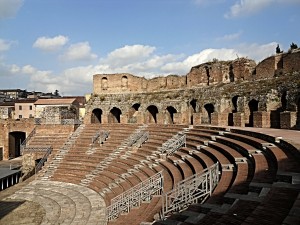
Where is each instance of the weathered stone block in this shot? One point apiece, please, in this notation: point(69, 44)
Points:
point(239, 119)
point(219, 119)
point(261, 119)
point(288, 120)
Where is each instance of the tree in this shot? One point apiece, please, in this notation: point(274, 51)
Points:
point(56, 93)
point(293, 46)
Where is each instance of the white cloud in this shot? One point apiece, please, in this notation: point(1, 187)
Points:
point(246, 7)
point(50, 44)
point(128, 54)
point(5, 45)
point(230, 37)
point(9, 8)
point(256, 51)
point(79, 52)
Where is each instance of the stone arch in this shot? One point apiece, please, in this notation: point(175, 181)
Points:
point(253, 107)
point(234, 102)
point(124, 82)
point(15, 140)
point(151, 115)
point(171, 111)
point(96, 116)
point(114, 115)
point(132, 113)
point(104, 83)
point(210, 108)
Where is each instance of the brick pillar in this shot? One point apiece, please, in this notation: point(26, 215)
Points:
point(239, 119)
point(288, 120)
point(104, 118)
point(196, 118)
point(177, 118)
point(140, 118)
point(160, 118)
point(124, 118)
point(219, 119)
point(261, 119)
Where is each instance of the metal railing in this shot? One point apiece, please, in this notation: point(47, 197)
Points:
point(43, 160)
point(36, 149)
point(144, 191)
point(101, 135)
point(39, 121)
point(173, 144)
point(195, 189)
point(25, 142)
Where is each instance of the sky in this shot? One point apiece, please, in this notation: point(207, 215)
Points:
point(48, 45)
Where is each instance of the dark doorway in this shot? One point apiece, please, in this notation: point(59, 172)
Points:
point(234, 110)
point(209, 109)
point(115, 115)
point(171, 110)
point(96, 116)
point(15, 140)
point(253, 107)
point(193, 103)
point(152, 113)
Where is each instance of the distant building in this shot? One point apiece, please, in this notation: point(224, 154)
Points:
point(7, 110)
point(24, 108)
point(14, 93)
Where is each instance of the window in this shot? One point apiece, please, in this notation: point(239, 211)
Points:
point(20, 107)
point(30, 116)
point(30, 107)
point(20, 116)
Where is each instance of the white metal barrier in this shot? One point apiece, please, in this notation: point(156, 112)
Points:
point(194, 189)
point(144, 191)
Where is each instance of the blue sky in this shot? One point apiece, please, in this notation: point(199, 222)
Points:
point(59, 44)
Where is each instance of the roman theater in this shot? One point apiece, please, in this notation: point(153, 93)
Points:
point(219, 145)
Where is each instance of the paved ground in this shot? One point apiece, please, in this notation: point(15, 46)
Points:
point(54, 202)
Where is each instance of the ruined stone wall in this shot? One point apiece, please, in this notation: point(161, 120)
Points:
point(266, 68)
point(291, 62)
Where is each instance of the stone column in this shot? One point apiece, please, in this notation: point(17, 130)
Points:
point(219, 119)
point(288, 120)
point(261, 119)
point(197, 118)
point(239, 119)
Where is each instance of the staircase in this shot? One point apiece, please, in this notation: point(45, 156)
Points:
point(49, 170)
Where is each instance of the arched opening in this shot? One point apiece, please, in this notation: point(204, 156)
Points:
point(96, 116)
point(114, 115)
point(104, 83)
point(209, 109)
point(15, 140)
point(193, 103)
point(124, 82)
point(132, 114)
point(234, 110)
point(253, 107)
point(152, 113)
point(171, 110)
